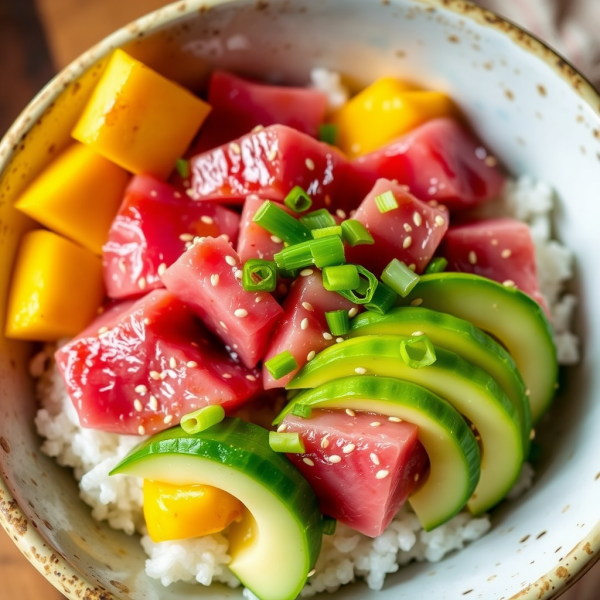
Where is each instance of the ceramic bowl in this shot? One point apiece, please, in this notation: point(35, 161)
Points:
point(537, 114)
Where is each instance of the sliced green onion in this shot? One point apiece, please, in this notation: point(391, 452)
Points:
point(329, 525)
point(202, 419)
point(399, 277)
point(437, 265)
point(277, 222)
point(281, 365)
point(183, 167)
point(287, 273)
point(290, 443)
point(317, 219)
point(298, 200)
point(327, 251)
point(417, 352)
point(355, 233)
point(302, 410)
point(293, 257)
point(386, 201)
point(326, 231)
point(342, 277)
point(338, 322)
point(383, 299)
point(363, 294)
point(328, 133)
point(259, 275)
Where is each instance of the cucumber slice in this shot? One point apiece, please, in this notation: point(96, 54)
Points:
point(469, 389)
point(279, 539)
point(511, 316)
point(454, 456)
point(459, 336)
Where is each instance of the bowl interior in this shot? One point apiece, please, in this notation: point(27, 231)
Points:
point(538, 116)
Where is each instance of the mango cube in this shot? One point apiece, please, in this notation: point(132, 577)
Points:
point(77, 195)
point(384, 111)
point(57, 288)
point(138, 119)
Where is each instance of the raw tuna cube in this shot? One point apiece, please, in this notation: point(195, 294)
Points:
point(438, 161)
point(411, 233)
point(208, 279)
point(500, 249)
point(144, 364)
point(152, 228)
point(361, 466)
point(269, 163)
point(303, 329)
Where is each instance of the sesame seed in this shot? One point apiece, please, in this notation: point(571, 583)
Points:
point(304, 324)
point(407, 227)
point(214, 280)
point(308, 461)
point(162, 268)
point(374, 458)
point(306, 272)
point(240, 312)
point(122, 266)
point(222, 324)
point(138, 405)
point(191, 364)
point(230, 261)
point(508, 283)
point(382, 474)
point(282, 427)
point(172, 362)
point(417, 333)
point(532, 434)
point(172, 374)
point(102, 330)
point(375, 424)
point(186, 237)
point(311, 572)
point(206, 219)
point(412, 267)
point(153, 402)
point(250, 378)
point(395, 419)
point(348, 448)
point(141, 389)
point(308, 306)
point(350, 412)
point(490, 161)
point(167, 419)
point(310, 355)
point(238, 274)
point(339, 340)
point(494, 242)
point(257, 128)
point(141, 430)
point(417, 219)
point(310, 165)
point(325, 441)
point(472, 258)
point(439, 220)
point(353, 312)
point(235, 148)
point(417, 302)
point(528, 391)
point(272, 154)
point(334, 459)
point(416, 477)
point(258, 299)
point(407, 242)
point(505, 253)
point(155, 375)
point(190, 192)
point(327, 200)
point(433, 203)
point(327, 335)
point(142, 283)
point(276, 240)
point(360, 370)
point(340, 213)
point(225, 237)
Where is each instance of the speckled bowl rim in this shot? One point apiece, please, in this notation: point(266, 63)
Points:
point(29, 541)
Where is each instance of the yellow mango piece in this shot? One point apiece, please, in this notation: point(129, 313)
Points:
point(383, 112)
point(177, 512)
point(138, 119)
point(77, 195)
point(56, 290)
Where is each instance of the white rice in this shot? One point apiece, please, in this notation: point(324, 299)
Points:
point(345, 556)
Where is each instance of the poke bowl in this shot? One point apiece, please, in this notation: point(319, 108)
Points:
point(534, 118)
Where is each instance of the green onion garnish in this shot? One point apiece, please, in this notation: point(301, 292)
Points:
point(386, 201)
point(437, 265)
point(293, 257)
point(363, 294)
point(202, 419)
point(325, 231)
point(327, 251)
point(259, 275)
point(183, 167)
point(342, 277)
point(417, 352)
point(355, 233)
point(329, 525)
point(298, 200)
point(290, 443)
point(277, 222)
point(383, 299)
point(399, 277)
point(302, 410)
point(338, 322)
point(281, 365)
point(328, 133)
point(317, 219)
point(287, 273)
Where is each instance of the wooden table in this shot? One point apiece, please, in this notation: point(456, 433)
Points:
point(37, 38)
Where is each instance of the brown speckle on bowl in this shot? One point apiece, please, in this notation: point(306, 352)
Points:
point(467, 592)
point(562, 572)
point(524, 538)
point(587, 548)
point(509, 94)
point(120, 586)
point(453, 39)
point(541, 534)
point(10, 511)
point(542, 90)
point(4, 445)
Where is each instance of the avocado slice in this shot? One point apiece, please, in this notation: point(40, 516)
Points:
point(279, 538)
point(511, 316)
point(454, 456)
point(459, 336)
point(469, 389)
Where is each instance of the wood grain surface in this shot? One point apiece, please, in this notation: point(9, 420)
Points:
point(33, 45)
